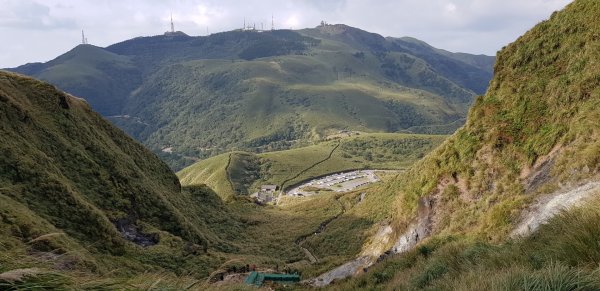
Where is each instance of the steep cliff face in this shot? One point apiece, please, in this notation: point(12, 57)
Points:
point(533, 132)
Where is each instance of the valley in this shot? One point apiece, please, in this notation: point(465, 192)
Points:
point(243, 173)
point(321, 158)
point(163, 225)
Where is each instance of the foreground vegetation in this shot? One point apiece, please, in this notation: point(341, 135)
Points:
point(562, 255)
point(535, 131)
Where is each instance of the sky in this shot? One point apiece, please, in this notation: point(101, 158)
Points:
point(40, 30)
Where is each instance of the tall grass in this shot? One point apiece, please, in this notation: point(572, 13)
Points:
point(562, 255)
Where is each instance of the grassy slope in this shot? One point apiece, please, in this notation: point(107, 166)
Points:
point(561, 256)
point(544, 96)
point(66, 176)
point(248, 171)
point(86, 68)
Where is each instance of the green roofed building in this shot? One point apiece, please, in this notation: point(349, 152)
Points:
point(257, 279)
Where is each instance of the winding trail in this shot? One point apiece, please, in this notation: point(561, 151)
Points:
point(299, 241)
point(227, 173)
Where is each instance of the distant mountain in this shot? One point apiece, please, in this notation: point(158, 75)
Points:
point(472, 72)
point(104, 78)
point(193, 97)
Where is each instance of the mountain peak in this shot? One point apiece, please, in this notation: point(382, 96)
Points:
point(176, 33)
point(335, 28)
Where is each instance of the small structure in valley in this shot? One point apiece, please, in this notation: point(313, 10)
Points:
point(257, 279)
point(266, 193)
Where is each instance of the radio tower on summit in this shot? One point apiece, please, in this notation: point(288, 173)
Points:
point(172, 25)
point(83, 38)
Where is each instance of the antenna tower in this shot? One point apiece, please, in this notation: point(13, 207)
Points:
point(172, 26)
point(83, 38)
point(272, 22)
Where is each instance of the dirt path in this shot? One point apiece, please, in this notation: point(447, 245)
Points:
point(227, 173)
point(308, 254)
point(549, 206)
point(300, 241)
point(344, 271)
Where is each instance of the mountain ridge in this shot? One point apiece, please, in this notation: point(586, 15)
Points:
point(381, 86)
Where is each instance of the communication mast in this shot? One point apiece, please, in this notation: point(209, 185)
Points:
point(83, 38)
point(272, 22)
point(172, 25)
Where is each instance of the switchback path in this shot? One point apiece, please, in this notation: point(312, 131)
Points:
point(300, 241)
point(227, 173)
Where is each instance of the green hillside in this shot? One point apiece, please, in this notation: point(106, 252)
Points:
point(241, 173)
point(104, 78)
point(83, 206)
point(244, 90)
point(539, 110)
point(78, 195)
point(533, 136)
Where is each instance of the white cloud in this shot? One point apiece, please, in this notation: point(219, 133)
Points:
point(451, 7)
point(47, 28)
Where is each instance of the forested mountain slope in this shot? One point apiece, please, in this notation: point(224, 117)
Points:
point(196, 97)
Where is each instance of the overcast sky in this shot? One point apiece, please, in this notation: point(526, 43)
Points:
point(40, 30)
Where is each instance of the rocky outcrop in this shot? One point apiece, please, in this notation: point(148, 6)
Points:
point(419, 229)
point(550, 205)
